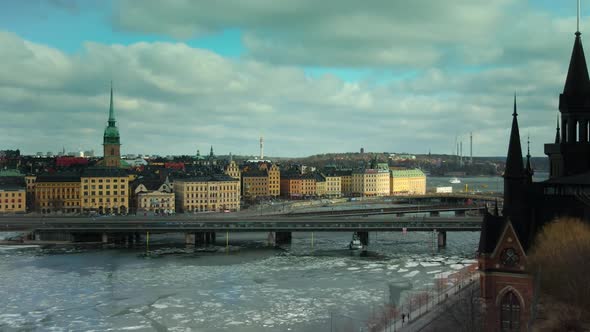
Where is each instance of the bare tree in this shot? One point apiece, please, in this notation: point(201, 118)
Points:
point(560, 259)
point(463, 312)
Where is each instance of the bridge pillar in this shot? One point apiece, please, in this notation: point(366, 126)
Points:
point(200, 238)
point(283, 237)
point(209, 237)
point(442, 239)
point(434, 213)
point(460, 213)
point(37, 236)
point(363, 237)
point(189, 238)
point(213, 237)
point(105, 238)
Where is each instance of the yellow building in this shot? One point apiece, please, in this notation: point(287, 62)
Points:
point(274, 180)
point(13, 194)
point(233, 170)
point(207, 193)
point(345, 181)
point(370, 182)
point(254, 184)
point(333, 185)
point(105, 190)
point(308, 185)
point(57, 193)
point(408, 181)
point(320, 185)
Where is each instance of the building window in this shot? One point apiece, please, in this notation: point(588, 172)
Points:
point(510, 313)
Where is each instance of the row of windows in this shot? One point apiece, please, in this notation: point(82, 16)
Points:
point(107, 200)
point(107, 193)
point(41, 197)
point(11, 194)
point(108, 186)
point(12, 200)
point(12, 206)
point(60, 203)
point(105, 180)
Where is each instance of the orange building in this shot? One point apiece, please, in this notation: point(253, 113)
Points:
point(291, 186)
point(264, 181)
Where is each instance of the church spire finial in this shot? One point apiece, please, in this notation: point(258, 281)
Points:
point(515, 113)
point(111, 109)
point(557, 134)
point(514, 164)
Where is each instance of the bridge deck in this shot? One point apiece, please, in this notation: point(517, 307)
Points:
point(112, 225)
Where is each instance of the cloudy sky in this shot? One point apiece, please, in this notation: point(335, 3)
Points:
point(310, 76)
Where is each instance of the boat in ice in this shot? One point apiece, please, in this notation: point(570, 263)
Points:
point(355, 243)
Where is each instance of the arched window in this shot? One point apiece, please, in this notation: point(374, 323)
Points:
point(112, 151)
point(510, 312)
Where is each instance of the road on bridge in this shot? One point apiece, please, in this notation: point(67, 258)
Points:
point(251, 224)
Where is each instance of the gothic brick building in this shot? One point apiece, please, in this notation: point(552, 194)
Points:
point(506, 282)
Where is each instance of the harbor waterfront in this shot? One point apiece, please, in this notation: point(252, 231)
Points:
point(313, 284)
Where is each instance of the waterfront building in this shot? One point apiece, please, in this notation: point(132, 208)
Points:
point(254, 183)
point(261, 181)
point(333, 185)
point(105, 190)
point(57, 193)
point(308, 185)
point(407, 182)
point(320, 185)
point(274, 179)
point(506, 284)
point(370, 182)
point(13, 195)
point(151, 195)
point(291, 185)
point(218, 193)
point(345, 181)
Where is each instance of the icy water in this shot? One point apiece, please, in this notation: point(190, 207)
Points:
point(476, 183)
point(250, 287)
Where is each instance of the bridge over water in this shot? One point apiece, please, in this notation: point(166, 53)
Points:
point(203, 230)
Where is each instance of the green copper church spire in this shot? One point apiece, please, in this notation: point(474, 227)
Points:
point(111, 110)
point(111, 133)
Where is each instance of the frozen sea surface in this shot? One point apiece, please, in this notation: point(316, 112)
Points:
point(251, 287)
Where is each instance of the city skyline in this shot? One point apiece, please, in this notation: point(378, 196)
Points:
point(222, 77)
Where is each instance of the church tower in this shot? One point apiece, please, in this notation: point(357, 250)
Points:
point(570, 153)
point(111, 140)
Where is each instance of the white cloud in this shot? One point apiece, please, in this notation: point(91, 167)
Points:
point(171, 98)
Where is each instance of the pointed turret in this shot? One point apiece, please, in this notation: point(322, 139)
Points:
point(211, 152)
point(577, 81)
point(514, 166)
